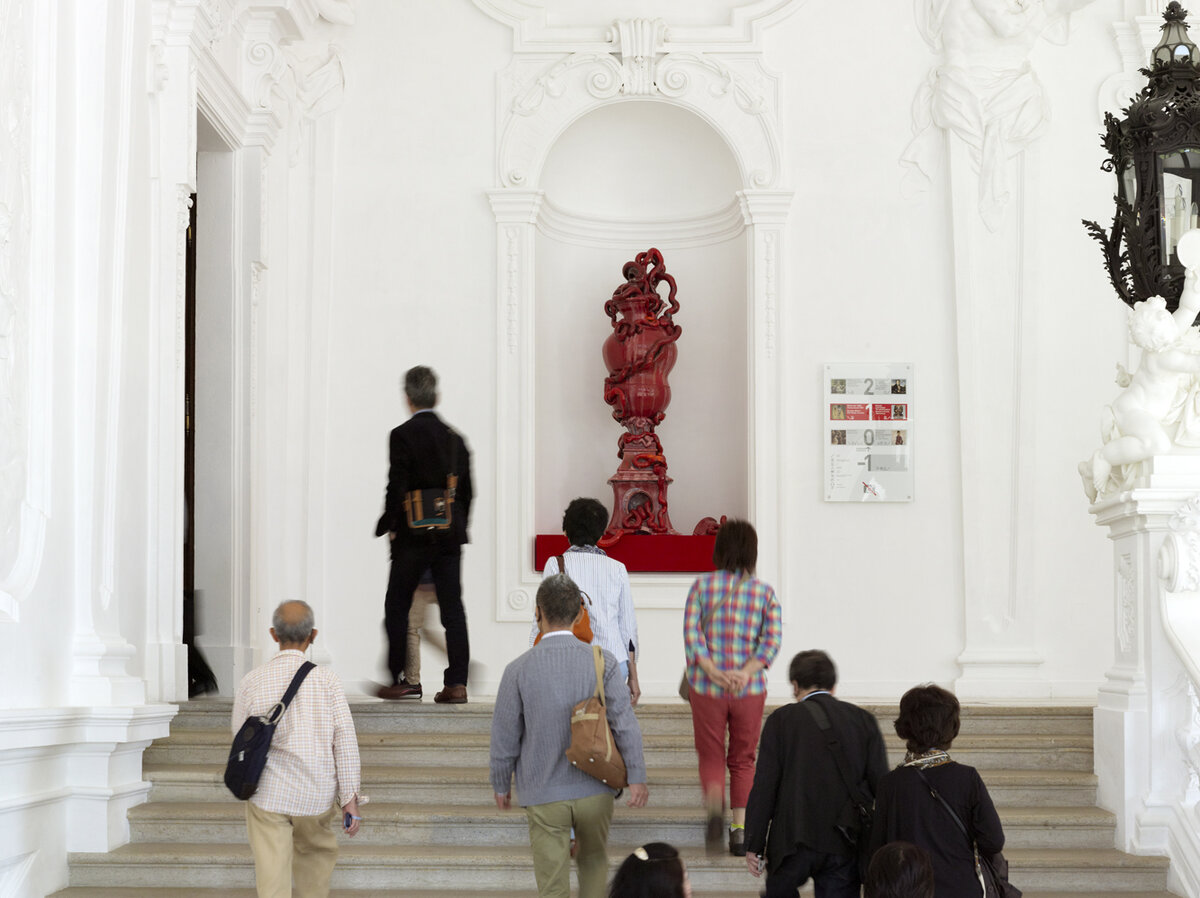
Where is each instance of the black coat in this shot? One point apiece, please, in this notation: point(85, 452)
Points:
point(419, 454)
point(905, 809)
point(798, 793)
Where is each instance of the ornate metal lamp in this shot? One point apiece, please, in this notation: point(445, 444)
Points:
point(1155, 153)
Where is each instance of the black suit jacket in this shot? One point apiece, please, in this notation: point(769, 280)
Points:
point(419, 453)
point(798, 792)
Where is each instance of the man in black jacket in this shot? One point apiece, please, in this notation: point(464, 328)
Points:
point(799, 798)
point(423, 452)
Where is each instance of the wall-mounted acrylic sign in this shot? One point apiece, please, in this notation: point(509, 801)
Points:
point(868, 412)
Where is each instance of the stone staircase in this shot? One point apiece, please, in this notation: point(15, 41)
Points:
point(432, 829)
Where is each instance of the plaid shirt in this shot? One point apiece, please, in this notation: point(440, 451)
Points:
point(746, 626)
point(313, 759)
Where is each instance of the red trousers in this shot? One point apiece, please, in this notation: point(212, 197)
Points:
point(711, 716)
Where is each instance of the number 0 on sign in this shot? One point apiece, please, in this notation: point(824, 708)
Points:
point(868, 412)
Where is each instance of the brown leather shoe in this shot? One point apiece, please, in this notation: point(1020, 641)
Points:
point(452, 695)
point(403, 689)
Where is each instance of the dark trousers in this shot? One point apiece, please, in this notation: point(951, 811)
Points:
point(443, 558)
point(833, 876)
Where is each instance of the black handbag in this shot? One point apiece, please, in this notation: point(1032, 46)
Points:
point(248, 754)
point(991, 870)
point(857, 815)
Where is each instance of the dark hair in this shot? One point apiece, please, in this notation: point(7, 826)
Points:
point(559, 599)
point(813, 668)
point(736, 548)
point(420, 386)
point(585, 521)
point(653, 871)
point(899, 870)
point(928, 718)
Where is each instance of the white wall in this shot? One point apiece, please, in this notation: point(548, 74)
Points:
point(870, 279)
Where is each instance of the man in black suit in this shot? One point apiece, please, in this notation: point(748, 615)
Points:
point(799, 797)
point(423, 452)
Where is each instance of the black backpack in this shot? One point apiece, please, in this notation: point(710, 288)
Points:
point(248, 755)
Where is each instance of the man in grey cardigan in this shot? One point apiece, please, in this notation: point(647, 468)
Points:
point(531, 729)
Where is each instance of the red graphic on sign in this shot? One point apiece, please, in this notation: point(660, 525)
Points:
point(889, 411)
point(850, 411)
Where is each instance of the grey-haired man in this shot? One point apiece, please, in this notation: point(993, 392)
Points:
point(530, 734)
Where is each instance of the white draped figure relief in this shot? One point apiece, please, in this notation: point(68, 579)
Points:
point(985, 90)
point(1159, 407)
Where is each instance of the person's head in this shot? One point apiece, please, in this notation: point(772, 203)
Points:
point(558, 601)
point(928, 718)
point(736, 548)
point(584, 522)
point(653, 871)
point(292, 625)
point(811, 670)
point(899, 870)
point(420, 386)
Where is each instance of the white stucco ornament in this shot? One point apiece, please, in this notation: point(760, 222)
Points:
point(985, 90)
point(1159, 408)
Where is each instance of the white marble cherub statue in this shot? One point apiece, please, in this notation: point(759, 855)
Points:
point(1144, 418)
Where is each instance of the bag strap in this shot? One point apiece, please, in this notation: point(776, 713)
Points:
point(562, 569)
point(452, 475)
point(598, 657)
point(293, 688)
point(949, 810)
point(835, 747)
point(707, 619)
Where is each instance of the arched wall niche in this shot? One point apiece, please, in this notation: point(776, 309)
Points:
point(615, 183)
point(538, 99)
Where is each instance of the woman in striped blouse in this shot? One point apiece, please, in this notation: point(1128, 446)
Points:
point(731, 634)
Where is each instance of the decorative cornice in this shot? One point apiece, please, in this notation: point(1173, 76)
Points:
point(676, 233)
point(740, 32)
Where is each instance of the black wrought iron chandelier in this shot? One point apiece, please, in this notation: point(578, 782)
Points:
point(1155, 153)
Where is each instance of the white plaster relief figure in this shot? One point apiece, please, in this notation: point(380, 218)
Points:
point(1156, 410)
point(985, 90)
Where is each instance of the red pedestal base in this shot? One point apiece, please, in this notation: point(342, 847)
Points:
point(641, 552)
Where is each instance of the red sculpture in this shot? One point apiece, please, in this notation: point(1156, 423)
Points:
point(640, 353)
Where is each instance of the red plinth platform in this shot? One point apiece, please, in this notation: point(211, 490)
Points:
point(641, 551)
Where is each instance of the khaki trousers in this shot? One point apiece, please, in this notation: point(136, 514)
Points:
point(424, 596)
point(550, 838)
point(292, 855)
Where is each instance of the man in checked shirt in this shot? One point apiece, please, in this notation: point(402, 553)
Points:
point(312, 768)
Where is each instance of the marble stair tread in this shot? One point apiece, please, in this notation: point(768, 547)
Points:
point(189, 892)
point(675, 775)
point(979, 742)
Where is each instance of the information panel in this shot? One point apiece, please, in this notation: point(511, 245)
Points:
point(868, 433)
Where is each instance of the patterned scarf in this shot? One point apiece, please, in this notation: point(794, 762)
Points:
point(923, 760)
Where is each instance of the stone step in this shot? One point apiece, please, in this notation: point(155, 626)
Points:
point(188, 892)
point(669, 785)
point(211, 746)
point(468, 869)
point(392, 823)
point(674, 718)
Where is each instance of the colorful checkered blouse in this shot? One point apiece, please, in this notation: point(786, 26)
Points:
point(746, 626)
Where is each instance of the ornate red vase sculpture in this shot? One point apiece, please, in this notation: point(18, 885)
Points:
point(640, 353)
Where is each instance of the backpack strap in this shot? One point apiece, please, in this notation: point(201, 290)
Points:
point(293, 687)
point(835, 747)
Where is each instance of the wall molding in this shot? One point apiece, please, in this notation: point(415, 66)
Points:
point(741, 30)
point(707, 229)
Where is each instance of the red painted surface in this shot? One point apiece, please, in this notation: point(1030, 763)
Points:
point(640, 353)
point(642, 552)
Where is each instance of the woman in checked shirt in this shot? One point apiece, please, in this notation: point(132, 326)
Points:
point(731, 633)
